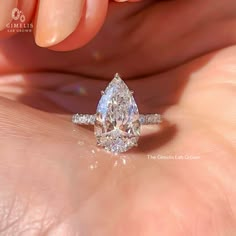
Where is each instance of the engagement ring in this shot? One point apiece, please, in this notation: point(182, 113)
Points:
point(117, 121)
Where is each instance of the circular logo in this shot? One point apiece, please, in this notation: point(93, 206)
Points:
point(17, 14)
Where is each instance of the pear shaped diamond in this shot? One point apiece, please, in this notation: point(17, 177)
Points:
point(117, 125)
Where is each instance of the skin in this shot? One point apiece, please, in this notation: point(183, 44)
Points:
point(179, 57)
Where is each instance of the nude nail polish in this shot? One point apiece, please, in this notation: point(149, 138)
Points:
point(56, 20)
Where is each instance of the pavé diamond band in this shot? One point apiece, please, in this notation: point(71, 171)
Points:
point(86, 119)
point(117, 121)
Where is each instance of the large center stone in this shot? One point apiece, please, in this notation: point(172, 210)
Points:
point(117, 126)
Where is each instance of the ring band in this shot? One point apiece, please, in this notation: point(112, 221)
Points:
point(117, 120)
point(144, 119)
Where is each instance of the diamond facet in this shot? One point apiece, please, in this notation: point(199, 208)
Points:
point(117, 125)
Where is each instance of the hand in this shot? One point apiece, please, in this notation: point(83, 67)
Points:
point(180, 59)
point(59, 25)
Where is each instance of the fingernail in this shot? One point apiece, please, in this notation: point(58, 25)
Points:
point(6, 7)
point(56, 20)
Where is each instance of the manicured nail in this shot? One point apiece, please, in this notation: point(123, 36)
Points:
point(56, 20)
point(6, 7)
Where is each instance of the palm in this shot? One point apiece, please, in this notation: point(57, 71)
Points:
point(56, 181)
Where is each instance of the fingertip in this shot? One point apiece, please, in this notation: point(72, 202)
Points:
point(56, 20)
point(91, 21)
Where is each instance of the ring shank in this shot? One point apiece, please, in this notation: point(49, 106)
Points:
point(145, 119)
point(150, 119)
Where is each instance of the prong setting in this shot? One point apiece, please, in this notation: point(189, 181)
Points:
point(117, 121)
